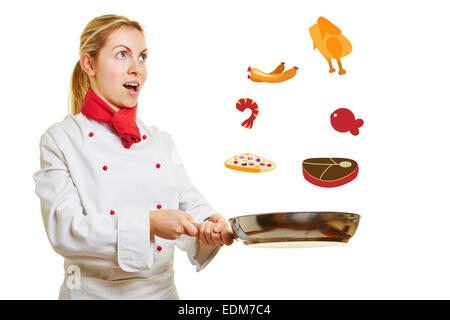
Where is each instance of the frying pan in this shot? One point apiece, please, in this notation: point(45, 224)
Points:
point(294, 229)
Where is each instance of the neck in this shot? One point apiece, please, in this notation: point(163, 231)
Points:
point(93, 88)
point(112, 106)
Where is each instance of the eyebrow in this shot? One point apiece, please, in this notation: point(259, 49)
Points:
point(121, 45)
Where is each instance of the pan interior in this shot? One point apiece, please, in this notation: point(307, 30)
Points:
point(295, 229)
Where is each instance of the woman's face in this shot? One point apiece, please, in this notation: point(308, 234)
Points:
point(119, 69)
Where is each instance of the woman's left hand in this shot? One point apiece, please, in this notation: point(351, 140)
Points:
point(214, 231)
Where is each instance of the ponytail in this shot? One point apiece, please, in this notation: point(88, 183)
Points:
point(79, 85)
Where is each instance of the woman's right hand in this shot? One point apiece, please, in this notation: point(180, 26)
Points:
point(171, 223)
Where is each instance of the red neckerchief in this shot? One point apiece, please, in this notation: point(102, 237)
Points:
point(123, 121)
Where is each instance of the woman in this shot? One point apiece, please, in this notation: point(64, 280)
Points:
point(115, 197)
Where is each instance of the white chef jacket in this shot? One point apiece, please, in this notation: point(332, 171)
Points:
point(95, 201)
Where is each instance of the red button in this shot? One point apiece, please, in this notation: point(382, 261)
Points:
point(158, 248)
point(112, 212)
point(144, 137)
point(158, 165)
point(159, 206)
point(105, 168)
point(91, 134)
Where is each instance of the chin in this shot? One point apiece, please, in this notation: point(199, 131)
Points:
point(128, 103)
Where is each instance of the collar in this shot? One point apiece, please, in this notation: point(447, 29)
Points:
point(123, 121)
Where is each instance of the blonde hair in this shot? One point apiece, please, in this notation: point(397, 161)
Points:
point(92, 39)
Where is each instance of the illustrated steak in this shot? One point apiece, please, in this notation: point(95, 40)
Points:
point(329, 172)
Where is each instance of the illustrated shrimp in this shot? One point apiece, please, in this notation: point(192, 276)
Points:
point(246, 103)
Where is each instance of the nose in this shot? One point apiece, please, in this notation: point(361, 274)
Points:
point(134, 67)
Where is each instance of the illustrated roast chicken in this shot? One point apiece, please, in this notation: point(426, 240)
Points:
point(330, 42)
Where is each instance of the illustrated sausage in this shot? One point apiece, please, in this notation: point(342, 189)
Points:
point(260, 76)
point(277, 70)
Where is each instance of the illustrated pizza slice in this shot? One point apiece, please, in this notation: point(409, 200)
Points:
point(249, 163)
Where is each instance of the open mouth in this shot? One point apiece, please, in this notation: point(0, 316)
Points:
point(133, 86)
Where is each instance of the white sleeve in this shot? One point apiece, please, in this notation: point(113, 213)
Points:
point(76, 234)
point(192, 202)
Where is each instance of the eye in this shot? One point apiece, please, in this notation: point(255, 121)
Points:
point(121, 55)
point(144, 57)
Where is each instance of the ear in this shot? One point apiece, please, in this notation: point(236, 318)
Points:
point(87, 63)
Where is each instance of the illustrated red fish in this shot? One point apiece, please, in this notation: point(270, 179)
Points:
point(343, 120)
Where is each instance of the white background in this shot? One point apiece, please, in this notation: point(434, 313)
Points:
point(396, 81)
